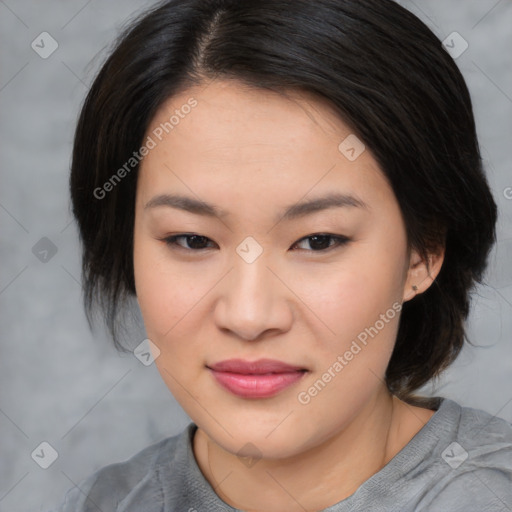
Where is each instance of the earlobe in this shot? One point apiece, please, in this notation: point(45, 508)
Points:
point(421, 274)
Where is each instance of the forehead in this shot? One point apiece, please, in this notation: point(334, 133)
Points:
point(229, 110)
point(226, 136)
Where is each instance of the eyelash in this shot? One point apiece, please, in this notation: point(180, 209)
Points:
point(340, 242)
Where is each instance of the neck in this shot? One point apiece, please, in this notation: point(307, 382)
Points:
point(320, 477)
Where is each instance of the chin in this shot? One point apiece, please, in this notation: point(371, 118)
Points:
point(257, 437)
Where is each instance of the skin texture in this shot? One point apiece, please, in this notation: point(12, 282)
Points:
point(252, 153)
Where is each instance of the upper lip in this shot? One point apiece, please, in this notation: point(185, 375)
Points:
point(260, 366)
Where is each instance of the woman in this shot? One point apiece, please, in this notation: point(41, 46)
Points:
point(293, 192)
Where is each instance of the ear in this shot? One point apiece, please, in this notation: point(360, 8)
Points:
point(421, 273)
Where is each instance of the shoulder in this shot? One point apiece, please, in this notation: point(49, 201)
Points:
point(483, 434)
point(487, 439)
point(484, 489)
point(476, 456)
point(113, 484)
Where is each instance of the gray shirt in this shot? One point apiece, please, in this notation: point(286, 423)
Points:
point(461, 460)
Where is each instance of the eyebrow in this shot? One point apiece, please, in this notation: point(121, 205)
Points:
point(294, 211)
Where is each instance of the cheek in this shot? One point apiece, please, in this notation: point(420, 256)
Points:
point(165, 292)
point(350, 296)
point(360, 305)
point(170, 303)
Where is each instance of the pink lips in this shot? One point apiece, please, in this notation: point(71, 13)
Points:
point(255, 379)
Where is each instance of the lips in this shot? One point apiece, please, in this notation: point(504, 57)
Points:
point(255, 379)
point(258, 367)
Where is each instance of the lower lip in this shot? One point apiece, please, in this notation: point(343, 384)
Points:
point(256, 386)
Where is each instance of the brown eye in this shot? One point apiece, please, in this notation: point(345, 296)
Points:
point(321, 241)
point(193, 242)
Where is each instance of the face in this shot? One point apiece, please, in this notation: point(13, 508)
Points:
point(318, 291)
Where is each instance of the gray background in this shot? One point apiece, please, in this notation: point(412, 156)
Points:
point(62, 384)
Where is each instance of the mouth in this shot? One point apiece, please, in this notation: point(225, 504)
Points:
point(255, 379)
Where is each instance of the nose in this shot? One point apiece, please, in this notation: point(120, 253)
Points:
point(253, 302)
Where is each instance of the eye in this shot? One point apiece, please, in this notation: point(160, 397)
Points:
point(319, 242)
point(197, 242)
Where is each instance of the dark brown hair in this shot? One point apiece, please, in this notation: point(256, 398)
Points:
point(386, 75)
